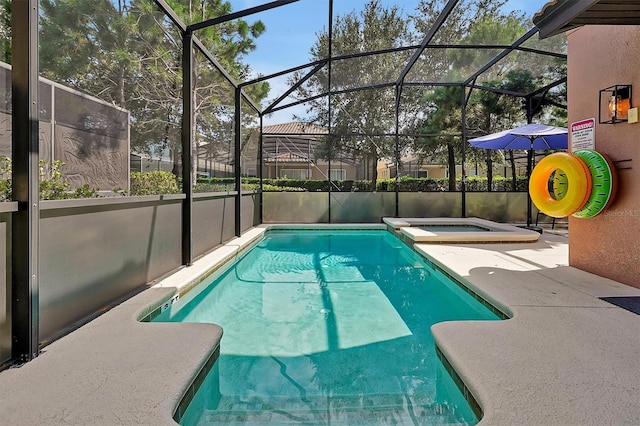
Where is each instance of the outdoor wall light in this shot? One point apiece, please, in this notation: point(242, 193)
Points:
point(614, 104)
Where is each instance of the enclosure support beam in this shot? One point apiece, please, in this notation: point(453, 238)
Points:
point(25, 175)
point(260, 163)
point(463, 131)
point(446, 11)
point(187, 140)
point(240, 14)
point(330, 141)
point(397, 148)
point(171, 14)
point(294, 87)
point(237, 158)
point(501, 55)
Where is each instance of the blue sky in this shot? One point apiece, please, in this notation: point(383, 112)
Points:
point(292, 29)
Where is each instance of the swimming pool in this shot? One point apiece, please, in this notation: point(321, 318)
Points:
point(328, 327)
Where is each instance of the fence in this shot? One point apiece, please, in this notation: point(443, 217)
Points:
point(96, 252)
point(370, 207)
point(90, 136)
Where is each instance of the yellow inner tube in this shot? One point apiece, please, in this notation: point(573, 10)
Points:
point(578, 186)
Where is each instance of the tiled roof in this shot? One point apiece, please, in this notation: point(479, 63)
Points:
point(293, 128)
point(287, 157)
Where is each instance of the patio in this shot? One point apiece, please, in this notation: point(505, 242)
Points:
point(565, 357)
point(78, 275)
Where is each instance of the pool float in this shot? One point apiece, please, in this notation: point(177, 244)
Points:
point(604, 183)
point(560, 183)
point(578, 187)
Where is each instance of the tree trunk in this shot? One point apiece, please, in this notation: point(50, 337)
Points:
point(176, 169)
point(374, 172)
point(121, 84)
point(489, 171)
point(514, 181)
point(452, 166)
point(487, 126)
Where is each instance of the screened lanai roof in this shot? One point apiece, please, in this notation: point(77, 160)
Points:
point(487, 55)
point(301, 70)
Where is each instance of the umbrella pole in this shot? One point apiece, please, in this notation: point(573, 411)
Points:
point(529, 160)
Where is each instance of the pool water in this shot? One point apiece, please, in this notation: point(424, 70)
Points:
point(328, 327)
point(454, 228)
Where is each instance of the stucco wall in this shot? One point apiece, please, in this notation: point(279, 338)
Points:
point(599, 57)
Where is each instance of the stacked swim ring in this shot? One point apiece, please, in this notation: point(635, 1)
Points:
point(583, 183)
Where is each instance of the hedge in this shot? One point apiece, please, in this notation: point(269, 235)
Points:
point(407, 184)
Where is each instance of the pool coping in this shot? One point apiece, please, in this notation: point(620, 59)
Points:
point(500, 232)
point(565, 356)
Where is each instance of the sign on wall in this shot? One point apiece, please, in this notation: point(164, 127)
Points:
point(583, 134)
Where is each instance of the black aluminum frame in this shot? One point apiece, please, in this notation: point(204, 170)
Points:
point(25, 132)
point(25, 175)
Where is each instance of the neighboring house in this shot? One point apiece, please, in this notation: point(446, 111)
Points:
point(289, 152)
point(148, 163)
point(414, 167)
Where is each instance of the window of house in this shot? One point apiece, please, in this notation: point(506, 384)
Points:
point(338, 174)
point(298, 174)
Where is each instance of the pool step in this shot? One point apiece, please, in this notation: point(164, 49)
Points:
point(368, 409)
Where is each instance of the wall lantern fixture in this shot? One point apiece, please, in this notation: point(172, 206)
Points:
point(614, 104)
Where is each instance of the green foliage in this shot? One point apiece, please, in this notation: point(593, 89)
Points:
point(5, 179)
point(153, 183)
point(272, 188)
point(52, 184)
point(128, 53)
point(215, 185)
point(5, 31)
point(252, 184)
point(376, 27)
point(407, 184)
point(52, 187)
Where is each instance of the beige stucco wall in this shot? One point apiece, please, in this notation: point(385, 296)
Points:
point(599, 57)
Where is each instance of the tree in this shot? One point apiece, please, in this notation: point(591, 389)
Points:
point(367, 112)
point(5, 30)
point(481, 22)
point(444, 111)
point(128, 53)
point(472, 22)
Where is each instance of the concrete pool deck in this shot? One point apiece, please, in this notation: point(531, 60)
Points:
point(566, 357)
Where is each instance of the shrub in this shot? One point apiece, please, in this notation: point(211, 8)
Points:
point(5, 179)
point(273, 188)
point(153, 183)
point(406, 184)
point(52, 186)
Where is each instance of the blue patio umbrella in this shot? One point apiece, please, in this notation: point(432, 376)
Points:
point(530, 137)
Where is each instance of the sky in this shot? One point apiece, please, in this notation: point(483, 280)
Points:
point(291, 31)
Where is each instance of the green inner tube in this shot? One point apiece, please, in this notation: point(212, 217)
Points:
point(604, 183)
point(560, 184)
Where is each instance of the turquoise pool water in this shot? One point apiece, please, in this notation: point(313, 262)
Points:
point(328, 327)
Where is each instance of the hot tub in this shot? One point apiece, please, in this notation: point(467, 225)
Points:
point(457, 230)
